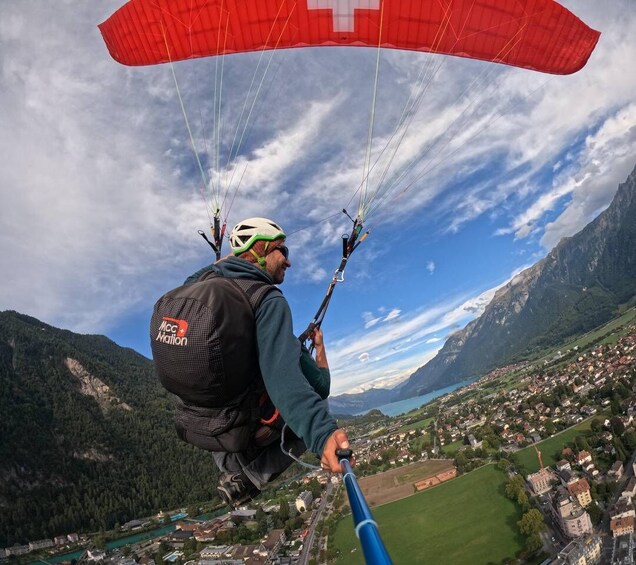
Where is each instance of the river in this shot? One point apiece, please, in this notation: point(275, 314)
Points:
point(129, 540)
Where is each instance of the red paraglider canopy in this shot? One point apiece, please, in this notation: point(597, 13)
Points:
point(535, 34)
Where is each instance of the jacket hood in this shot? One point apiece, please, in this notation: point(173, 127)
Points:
point(236, 268)
point(232, 268)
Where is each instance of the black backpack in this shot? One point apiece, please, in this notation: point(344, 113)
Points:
point(203, 342)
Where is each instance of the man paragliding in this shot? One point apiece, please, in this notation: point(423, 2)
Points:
point(246, 389)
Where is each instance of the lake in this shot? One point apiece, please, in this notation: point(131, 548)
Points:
point(402, 406)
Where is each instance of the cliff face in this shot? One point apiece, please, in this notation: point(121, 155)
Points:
point(579, 285)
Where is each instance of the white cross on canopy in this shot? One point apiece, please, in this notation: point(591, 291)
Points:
point(343, 10)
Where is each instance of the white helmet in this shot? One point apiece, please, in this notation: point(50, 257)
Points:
point(249, 231)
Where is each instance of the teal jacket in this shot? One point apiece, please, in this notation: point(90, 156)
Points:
point(295, 384)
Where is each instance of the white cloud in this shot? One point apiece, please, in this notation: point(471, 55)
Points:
point(392, 315)
point(101, 196)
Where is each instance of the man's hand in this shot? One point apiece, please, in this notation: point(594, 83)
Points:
point(316, 337)
point(329, 460)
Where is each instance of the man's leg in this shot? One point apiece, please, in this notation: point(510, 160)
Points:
point(270, 462)
point(245, 475)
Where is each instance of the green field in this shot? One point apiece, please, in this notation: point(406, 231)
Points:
point(452, 448)
point(527, 457)
point(416, 425)
point(464, 521)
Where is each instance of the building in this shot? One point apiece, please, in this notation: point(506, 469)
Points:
point(583, 551)
point(617, 470)
point(583, 457)
point(303, 502)
point(17, 550)
point(268, 549)
point(473, 442)
point(40, 544)
point(630, 490)
point(244, 514)
point(571, 517)
point(622, 525)
point(623, 550)
point(215, 551)
point(541, 481)
point(580, 489)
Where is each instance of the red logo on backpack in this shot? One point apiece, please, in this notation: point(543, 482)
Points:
point(172, 331)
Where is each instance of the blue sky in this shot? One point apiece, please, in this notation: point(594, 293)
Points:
point(101, 198)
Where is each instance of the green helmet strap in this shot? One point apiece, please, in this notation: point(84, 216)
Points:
point(261, 260)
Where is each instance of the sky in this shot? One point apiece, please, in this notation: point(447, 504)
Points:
point(102, 198)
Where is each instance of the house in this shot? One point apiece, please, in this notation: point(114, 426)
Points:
point(583, 457)
point(563, 465)
point(567, 453)
point(303, 502)
point(630, 490)
point(617, 470)
point(581, 491)
point(268, 549)
point(622, 525)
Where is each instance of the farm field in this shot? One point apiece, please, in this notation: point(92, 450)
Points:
point(398, 483)
point(527, 457)
point(467, 520)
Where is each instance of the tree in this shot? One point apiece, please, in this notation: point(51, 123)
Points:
point(531, 523)
point(533, 543)
point(595, 512)
point(522, 499)
point(617, 425)
point(283, 511)
point(503, 465)
point(629, 439)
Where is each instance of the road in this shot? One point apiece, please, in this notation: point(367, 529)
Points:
point(315, 517)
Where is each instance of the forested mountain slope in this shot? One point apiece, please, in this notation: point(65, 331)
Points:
point(86, 436)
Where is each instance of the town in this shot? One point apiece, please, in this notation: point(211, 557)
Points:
point(562, 431)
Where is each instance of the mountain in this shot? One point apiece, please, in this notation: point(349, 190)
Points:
point(582, 283)
point(86, 436)
point(356, 403)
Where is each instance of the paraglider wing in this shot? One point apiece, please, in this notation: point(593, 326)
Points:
point(535, 34)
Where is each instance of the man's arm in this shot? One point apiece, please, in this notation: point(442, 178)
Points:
point(279, 357)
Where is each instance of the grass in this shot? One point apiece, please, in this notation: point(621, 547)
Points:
point(452, 448)
point(416, 425)
point(527, 457)
point(467, 520)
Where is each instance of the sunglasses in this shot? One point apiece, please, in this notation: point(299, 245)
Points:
point(283, 249)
